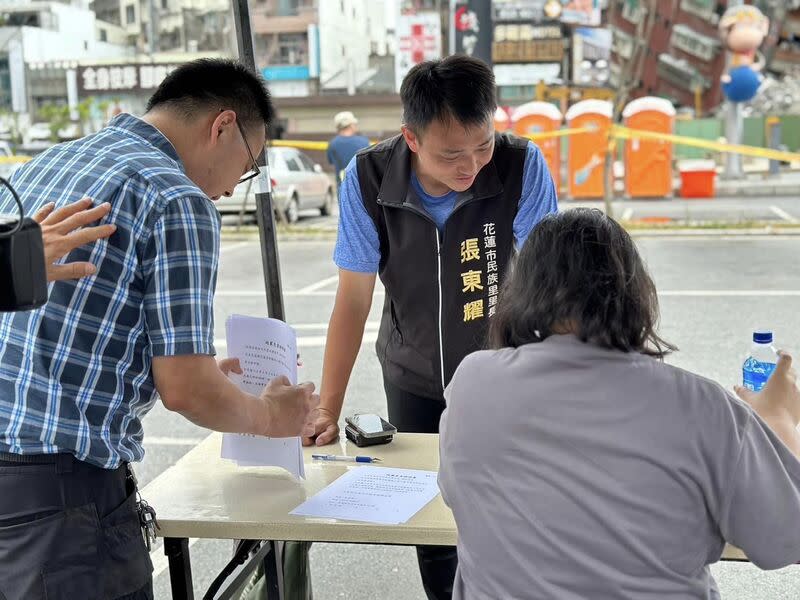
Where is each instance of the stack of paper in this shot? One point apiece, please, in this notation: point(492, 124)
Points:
point(266, 348)
point(374, 495)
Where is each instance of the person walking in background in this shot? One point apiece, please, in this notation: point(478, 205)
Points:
point(345, 145)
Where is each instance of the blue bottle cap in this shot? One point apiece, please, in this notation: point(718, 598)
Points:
point(762, 337)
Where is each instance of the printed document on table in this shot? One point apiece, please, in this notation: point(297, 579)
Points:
point(266, 348)
point(374, 495)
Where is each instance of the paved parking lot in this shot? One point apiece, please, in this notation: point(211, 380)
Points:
point(676, 211)
point(713, 291)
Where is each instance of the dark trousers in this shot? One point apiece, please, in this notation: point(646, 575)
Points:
point(415, 414)
point(70, 530)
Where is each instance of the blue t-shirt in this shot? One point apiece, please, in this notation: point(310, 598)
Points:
point(358, 247)
point(343, 148)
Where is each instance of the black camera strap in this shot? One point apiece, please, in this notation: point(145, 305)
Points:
point(5, 234)
point(23, 272)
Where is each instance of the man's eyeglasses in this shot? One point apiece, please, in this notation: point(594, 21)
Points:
point(254, 170)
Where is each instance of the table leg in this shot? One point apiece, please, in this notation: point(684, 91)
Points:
point(180, 568)
point(273, 571)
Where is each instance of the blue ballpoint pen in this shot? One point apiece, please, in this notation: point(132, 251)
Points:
point(337, 458)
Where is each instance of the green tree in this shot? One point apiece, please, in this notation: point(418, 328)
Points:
point(58, 117)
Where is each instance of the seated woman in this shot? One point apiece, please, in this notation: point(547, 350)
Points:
point(579, 465)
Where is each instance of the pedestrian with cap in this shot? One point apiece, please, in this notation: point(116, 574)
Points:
point(345, 145)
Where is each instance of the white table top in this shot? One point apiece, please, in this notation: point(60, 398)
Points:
point(204, 496)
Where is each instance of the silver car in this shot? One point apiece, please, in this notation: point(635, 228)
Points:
point(297, 184)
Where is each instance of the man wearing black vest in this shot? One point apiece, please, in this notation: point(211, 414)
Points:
point(437, 213)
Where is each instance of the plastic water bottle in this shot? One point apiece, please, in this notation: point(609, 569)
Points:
point(760, 362)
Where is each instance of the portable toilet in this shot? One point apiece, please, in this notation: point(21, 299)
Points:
point(648, 163)
point(541, 117)
point(587, 151)
point(501, 120)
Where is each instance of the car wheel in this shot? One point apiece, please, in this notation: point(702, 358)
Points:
point(293, 210)
point(327, 207)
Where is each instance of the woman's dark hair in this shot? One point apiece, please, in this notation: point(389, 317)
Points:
point(215, 83)
point(579, 271)
point(459, 87)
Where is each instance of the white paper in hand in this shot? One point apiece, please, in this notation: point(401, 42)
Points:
point(266, 349)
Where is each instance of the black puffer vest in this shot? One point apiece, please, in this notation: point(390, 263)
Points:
point(441, 288)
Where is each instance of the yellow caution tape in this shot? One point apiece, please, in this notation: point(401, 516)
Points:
point(6, 160)
point(615, 132)
point(627, 133)
point(302, 145)
point(546, 135)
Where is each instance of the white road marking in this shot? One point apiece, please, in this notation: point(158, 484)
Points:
point(293, 293)
point(170, 441)
point(783, 214)
point(322, 293)
point(309, 341)
point(324, 326)
point(230, 247)
point(160, 560)
point(729, 293)
point(242, 293)
point(662, 293)
point(318, 285)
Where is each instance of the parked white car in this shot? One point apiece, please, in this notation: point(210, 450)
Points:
point(297, 184)
point(38, 132)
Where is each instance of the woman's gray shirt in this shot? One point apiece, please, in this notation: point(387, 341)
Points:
point(575, 471)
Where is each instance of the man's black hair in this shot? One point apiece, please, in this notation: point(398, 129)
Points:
point(457, 87)
point(217, 84)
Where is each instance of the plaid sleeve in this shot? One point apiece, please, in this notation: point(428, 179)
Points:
point(180, 275)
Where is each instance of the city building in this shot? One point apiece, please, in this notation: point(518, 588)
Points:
point(286, 45)
point(40, 46)
point(784, 59)
point(357, 43)
point(528, 48)
point(178, 25)
point(684, 58)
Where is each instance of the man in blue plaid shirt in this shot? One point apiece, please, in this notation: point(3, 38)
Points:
point(78, 375)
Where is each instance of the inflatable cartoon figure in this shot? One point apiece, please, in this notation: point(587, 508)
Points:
point(742, 30)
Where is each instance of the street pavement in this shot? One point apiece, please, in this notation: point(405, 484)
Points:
point(713, 291)
point(779, 211)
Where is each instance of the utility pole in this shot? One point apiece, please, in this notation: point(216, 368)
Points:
point(777, 10)
point(630, 76)
point(734, 126)
point(151, 28)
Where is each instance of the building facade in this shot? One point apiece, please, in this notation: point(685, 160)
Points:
point(286, 46)
point(684, 60)
point(177, 25)
point(356, 43)
point(40, 46)
point(785, 57)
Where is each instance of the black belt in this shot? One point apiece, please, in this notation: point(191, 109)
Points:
point(35, 459)
point(64, 463)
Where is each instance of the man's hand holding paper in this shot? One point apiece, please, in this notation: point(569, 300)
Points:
point(265, 365)
point(290, 409)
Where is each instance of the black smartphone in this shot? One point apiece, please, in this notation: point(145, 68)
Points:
point(369, 430)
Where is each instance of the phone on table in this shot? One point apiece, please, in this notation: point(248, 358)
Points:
point(368, 429)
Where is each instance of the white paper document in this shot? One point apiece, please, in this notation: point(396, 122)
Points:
point(373, 495)
point(266, 348)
